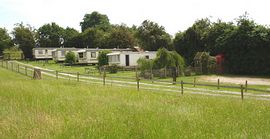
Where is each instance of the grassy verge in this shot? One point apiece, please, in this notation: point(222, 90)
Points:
point(63, 109)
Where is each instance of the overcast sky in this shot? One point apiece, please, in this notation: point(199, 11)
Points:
point(174, 15)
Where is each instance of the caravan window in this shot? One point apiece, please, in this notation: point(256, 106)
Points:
point(80, 55)
point(40, 52)
point(93, 55)
point(114, 58)
point(62, 53)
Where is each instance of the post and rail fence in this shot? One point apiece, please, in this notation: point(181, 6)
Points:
point(36, 74)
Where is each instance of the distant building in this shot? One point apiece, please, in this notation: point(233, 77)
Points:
point(90, 56)
point(204, 63)
point(59, 54)
point(127, 58)
point(43, 53)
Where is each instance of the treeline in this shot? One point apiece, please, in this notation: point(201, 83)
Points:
point(244, 43)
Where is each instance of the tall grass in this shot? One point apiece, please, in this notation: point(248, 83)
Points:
point(65, 109)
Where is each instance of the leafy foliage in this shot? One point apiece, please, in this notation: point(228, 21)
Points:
point(49, 35)
point(5, 40)
point(70, 58)
point(24, 38)
point(120, 37)
point(151, 36)
point(95, 20)
point(103, 58)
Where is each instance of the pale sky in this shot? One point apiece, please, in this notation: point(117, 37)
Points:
point(174, 15)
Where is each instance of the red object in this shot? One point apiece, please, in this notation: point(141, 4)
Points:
point(220, 60)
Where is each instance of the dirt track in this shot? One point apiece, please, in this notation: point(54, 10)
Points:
point(237, 80)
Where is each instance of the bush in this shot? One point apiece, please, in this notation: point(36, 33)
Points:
point(113, 68)
point(70, 58)
point(103, 58)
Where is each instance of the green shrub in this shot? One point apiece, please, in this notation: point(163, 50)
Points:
point(70, 58)
point(113, 68)
point(103, 58)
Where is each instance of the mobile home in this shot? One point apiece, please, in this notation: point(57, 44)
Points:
point(90, 56)
point(60, 53)
point(127, 58)
point(43, 53)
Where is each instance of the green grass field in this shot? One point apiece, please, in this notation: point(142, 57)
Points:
point(67, 109)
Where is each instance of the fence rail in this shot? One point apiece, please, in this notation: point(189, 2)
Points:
point(136, 81)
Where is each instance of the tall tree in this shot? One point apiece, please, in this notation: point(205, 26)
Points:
point(50, 34)
point(93, 38)
point(193, 40)
point(95, 20)
point(24, 38)
point(69, 35)
point(5, 40)
point(246, 48)
point(120, 36)
point(151, 36)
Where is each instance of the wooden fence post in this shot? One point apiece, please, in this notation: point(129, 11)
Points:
point(12, 66)
point(25, 70)
point(242, 92)
point(2, 63)
point(138, 83)
point(182, 87)
point(246, 86)
point(56, 74)
point(18, 66)
point(218, 84)
point(78, 76)
point(194, 83)
point(104, 76)
point(6, 64)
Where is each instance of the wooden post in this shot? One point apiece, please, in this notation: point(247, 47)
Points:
point(242, 92)
point(12, 66)
point(78, 76)
point(6, 64)
point(2, 63)
point(138, 83)
point(218, 84)
point(104, 76)
point(194, 83)
point(182, 87)
point(246, 86)
point(37, 74)
point(25, 70)
point(18, 66)
point(56, 74)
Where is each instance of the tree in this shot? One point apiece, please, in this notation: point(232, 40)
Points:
point(103, 58)
point(70, 58)
point(24, 38)
point(168, 59)
point(93, 38)
point(50, 34)
point(151, 36)
point(246, 48)
point(69, 35)
point(120, 37)
point(5, 40)
point(193, 40)
point(95, 20)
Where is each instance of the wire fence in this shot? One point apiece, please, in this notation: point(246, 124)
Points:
point(134, 82)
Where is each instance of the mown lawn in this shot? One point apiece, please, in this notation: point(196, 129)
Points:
point(66, 109)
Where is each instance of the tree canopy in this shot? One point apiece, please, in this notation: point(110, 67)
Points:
point(24, 38)
point(5, 40)
point(151, 36)
point(95, 20)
